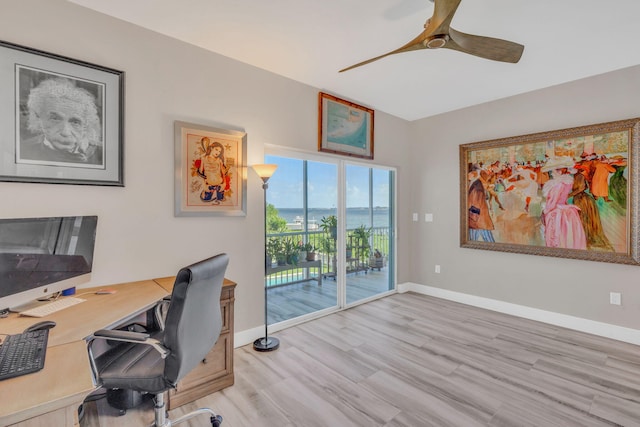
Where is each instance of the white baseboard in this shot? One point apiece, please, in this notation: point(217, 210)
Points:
point(247, 336)
point(607, 330)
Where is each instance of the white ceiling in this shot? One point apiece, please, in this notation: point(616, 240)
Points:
point(310, 40)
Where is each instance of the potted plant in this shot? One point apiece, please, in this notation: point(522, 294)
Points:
point(376, 260)
point(277, 246)
point(310, 249)
point(302, 250)
point(290, 249)
point(362, 235)
point(329, 225)
point(273, 246)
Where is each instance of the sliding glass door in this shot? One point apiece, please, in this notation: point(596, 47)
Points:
point(329, 235)
point(369, 228)
point(301, 196)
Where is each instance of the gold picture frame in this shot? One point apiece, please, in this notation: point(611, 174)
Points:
point(570, 193)
point(210, 171)
point(344, 127)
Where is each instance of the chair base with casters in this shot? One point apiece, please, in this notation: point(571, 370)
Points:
point(153, 363)
point(161, 420)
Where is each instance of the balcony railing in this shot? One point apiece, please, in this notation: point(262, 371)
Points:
point(361, 255)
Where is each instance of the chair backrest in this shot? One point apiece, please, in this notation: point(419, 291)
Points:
point(194, 319)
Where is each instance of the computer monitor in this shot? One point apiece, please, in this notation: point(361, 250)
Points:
point(42, 256)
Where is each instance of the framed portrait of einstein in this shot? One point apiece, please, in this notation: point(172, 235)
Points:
point(62, 119)
point(210, 171)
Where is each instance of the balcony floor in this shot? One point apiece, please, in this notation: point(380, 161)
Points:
point(289, 301)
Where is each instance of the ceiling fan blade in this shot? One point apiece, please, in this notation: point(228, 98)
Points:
point(438, 34)
point(484, 47)
point(438, 24)
point(359, 64)
point(443, 11)
point(414, 44)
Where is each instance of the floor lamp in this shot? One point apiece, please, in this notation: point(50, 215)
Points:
point(267, 343)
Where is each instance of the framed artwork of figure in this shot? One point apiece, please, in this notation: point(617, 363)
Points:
point(210, 171)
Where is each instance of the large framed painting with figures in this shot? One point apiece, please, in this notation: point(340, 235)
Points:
point(569, 193)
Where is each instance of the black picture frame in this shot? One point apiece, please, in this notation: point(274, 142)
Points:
point(62, 119)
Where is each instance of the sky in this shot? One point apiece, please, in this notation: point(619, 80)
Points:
point(286, 185)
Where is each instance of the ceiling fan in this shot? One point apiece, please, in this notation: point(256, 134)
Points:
point(438, 34)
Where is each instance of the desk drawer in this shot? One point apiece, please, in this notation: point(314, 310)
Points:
point(215, 372)
point(212, 374)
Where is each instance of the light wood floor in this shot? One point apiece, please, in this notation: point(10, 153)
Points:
point(290, 301)
point(413, 360)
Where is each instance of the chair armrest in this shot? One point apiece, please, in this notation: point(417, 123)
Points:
point(121, 335)
point(131, 337)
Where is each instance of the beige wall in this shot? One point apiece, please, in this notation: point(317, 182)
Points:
point(138, 237)
point(166, 80)
point(571, 287)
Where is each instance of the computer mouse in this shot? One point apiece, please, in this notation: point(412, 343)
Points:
point(45, 324)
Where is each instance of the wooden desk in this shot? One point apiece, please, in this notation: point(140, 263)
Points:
point(51, 397)
point(97, 312)
point(57, 391)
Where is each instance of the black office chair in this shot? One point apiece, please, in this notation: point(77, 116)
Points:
point(154, 363)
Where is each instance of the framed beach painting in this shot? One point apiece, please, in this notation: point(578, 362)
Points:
point(344, 127)
point(62, 119)
point(569, 193)
point(210, 171)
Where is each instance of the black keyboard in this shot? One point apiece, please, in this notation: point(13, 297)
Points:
point(23, 353)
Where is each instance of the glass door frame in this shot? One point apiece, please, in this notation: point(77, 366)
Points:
point(341, 166)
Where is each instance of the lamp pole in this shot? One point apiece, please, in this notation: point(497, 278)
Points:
point(266, 343)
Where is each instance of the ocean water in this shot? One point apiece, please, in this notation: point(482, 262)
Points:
point(355, 216)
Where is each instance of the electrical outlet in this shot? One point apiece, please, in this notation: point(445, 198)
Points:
point(615, 298)
point(437, 268)
point(415, 217)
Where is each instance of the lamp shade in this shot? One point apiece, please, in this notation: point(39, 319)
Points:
point(265, 171)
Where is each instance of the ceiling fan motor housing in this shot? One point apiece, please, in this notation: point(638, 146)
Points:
point(436, 41)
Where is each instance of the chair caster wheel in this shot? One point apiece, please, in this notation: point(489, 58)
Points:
point(122, 412)
point(216, 421)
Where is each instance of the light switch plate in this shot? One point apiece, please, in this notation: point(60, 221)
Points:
point(615, 298)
